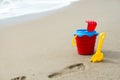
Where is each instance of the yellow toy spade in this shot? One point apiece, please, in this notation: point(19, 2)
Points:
point(99, 56)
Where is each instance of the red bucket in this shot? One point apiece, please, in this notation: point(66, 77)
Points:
point(85, 44)
point(85, 41)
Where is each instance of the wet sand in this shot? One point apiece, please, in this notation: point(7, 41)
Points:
point(40, 49)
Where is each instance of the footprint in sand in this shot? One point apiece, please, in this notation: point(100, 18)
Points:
point(19, 78)
point(67, 70)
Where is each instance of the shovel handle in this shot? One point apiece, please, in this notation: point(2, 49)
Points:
point(101, 39)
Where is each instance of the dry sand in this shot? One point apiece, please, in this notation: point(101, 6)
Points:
point(41, 49)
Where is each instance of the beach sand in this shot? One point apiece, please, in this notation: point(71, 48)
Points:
point(41, 49)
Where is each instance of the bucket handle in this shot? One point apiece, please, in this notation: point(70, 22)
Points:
point(73, 40)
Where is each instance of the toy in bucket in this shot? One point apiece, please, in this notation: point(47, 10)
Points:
point(85, 39)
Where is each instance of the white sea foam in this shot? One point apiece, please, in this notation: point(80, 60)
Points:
point(13, 8)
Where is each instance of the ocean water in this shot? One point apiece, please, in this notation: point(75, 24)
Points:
point(14, 8)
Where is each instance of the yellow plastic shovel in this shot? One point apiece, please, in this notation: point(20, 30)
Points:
point(99, 56)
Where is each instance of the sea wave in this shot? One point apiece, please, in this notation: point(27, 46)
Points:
point(13, 8)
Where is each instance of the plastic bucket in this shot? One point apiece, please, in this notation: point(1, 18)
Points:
point(85, 43)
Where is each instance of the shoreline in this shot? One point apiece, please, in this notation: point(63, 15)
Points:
point(32, 16)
